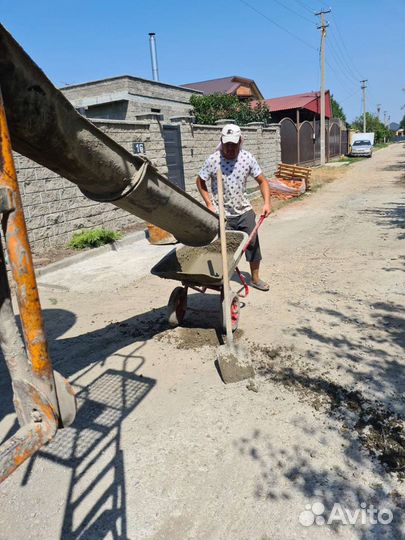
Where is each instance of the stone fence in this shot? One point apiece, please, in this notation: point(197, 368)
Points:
point(55, 208)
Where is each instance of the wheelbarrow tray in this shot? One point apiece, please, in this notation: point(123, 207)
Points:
point(201, 265)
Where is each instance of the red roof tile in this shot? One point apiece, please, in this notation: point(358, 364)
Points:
point(308, 100)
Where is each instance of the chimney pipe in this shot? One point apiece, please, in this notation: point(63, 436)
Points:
point(153, 55)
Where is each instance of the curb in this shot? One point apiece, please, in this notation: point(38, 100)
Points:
point(73, 259)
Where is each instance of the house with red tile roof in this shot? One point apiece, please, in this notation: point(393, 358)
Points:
point(237, 86)
point(299, 107)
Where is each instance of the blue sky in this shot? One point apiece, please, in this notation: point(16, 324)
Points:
point(274, 42)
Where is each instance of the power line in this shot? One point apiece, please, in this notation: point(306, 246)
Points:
point(312, 11)
point(356, 93)
point(293, 11)
point(278, 25)
point(340, 71)
point(343, 82)
point(346, 67)
point(341, 68)
point(356, 71)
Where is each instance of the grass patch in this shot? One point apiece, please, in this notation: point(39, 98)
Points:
point(381, 145)
point(348, 159)
point(94, 238)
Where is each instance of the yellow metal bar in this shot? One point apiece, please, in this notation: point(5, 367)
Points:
point(20, 258)
point(28, 440)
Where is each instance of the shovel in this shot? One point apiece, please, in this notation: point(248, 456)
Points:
point(233, 362)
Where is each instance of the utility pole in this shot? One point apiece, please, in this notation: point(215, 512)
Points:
point(323, 28)
point(378, 111)
point(385, 118)
point(363, 87)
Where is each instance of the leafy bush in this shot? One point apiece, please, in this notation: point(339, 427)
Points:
point(94, 238)
point(337, 111)
point(208, 109)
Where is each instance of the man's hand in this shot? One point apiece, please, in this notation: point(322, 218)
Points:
point(266, 210)
point(202, 188)
point(211, 207)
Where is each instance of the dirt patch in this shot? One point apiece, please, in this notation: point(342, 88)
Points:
point(194, 338)
point(379, 429)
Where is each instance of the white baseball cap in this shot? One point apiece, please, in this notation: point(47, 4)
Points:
point(231, 133)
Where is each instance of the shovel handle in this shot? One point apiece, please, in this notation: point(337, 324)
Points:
point(224, 255)
point(254, 232)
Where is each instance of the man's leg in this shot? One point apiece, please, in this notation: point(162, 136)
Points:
point(254, 270)
point(247, 223)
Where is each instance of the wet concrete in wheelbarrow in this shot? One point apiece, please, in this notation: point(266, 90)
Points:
point(200, 265)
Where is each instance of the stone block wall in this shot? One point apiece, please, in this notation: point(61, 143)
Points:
point(55, 208)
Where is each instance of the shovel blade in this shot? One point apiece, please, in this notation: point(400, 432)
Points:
point(234, 363)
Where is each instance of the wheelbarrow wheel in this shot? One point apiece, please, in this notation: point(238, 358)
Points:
point(235, 313)
point(176, 307)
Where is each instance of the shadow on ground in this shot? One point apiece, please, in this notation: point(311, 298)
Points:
point(91, 448)
point(390, 216)
point(369, 349)
point(286, 473)
point(399, 166)
point(365, 412)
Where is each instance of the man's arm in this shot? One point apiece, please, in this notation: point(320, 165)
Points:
point(202, 188)
point(265, 190)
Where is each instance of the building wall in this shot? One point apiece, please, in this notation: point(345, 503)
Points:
point(142, 96)
point(55, 208)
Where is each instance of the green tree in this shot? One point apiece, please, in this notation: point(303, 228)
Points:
point(208, 109)
point(337, 110)
point(402, 123)
point(373, 124)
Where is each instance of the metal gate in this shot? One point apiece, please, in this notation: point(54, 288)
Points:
point(174, 155)
point(334, 140)
point(344, 141)
point(307, 151)
point(288, 135)
point(317, 140)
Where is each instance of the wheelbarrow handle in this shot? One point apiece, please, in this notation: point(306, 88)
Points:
point(254, 232)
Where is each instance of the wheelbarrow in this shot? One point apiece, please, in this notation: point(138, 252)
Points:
point(200, 269)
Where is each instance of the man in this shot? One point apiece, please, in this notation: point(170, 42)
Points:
point(236, 165)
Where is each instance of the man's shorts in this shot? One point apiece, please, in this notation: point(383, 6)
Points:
point(246, 222)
